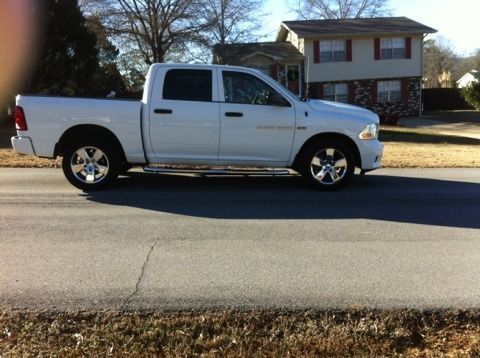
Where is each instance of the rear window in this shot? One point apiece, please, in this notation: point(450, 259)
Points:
point(188, 85)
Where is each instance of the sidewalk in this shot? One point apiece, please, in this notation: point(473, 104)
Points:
point(461, 128)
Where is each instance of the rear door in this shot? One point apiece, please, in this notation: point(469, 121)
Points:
point(252, 128)
point(184, 118)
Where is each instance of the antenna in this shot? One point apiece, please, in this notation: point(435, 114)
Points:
point(307, 80)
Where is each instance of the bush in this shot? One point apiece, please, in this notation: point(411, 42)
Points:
point(471, 94)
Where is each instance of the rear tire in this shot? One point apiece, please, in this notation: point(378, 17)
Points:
point(90, 164)
point(327, 165)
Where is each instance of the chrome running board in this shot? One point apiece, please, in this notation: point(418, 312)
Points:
point(217, 171)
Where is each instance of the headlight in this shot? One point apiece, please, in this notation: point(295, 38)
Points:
point(369, 132)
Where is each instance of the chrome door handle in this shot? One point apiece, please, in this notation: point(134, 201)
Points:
point(162, 111)
point(233, 114)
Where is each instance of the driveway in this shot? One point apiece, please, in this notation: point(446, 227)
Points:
point(394, 238)
point(457, 123)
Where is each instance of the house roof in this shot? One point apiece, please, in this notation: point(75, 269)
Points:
point(362, 26)
point(470, 75)
point(233, 54)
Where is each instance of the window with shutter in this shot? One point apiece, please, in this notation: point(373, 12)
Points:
point(391, 48)
point(389, 91)
point(337, 92)
point(333, 51)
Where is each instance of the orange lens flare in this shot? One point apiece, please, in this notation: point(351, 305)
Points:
point(18, 27)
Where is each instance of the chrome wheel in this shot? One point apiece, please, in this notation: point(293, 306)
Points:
point(328, 166)
point(90, 165)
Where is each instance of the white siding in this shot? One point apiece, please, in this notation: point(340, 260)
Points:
point(363, 65)
point(301, 46)
point(293, 38)
point(466, 80)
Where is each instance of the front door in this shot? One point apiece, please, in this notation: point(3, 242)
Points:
point(253, 129)
point(293, 79)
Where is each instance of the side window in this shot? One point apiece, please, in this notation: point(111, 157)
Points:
point(188, 85)
point(335, 92)
point(389, 91)
point(333, 51)
point(246, 89)
point(392, 48)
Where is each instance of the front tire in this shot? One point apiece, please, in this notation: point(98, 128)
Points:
point(90, 164)
point(328, 164)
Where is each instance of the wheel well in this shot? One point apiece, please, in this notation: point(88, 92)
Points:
point(88, 130)
point(341, 137)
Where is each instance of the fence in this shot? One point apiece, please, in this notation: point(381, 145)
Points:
point(434, 99)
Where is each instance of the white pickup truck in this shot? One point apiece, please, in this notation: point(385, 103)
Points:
point(200, 115)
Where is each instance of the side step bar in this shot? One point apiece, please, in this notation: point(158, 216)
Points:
point(217, 171)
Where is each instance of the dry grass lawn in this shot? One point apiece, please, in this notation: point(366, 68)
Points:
point(10, 159)
point(417, 148)
point(427, 155)
point(348, 333)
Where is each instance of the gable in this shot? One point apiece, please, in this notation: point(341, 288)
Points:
point(259, 59)
point(274, 52)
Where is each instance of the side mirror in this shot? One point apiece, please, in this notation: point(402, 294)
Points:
point(275, 99)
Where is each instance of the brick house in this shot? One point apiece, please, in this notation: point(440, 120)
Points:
point(376, 63)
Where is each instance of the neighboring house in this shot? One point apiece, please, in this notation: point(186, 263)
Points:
point(276, 59)
point(376, 63)
point(468, 78)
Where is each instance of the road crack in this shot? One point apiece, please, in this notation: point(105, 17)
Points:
point(140, 277)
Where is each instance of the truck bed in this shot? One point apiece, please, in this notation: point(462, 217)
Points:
point(49, 117)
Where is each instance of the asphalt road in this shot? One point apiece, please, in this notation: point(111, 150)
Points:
point(394, 238)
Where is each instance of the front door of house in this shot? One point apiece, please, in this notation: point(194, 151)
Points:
point(293, 80)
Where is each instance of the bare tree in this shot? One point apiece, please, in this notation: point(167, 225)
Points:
point(153, 29)
point(341, 9)
point(232, 20)
point(439, 58)
point(477, 59)
point(465, 64)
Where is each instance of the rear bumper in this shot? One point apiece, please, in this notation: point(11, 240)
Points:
point(23, 145)
point(371, 152)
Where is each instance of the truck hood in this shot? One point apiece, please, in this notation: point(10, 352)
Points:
point(344, 111)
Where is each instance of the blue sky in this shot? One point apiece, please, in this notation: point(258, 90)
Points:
point(457, 21)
